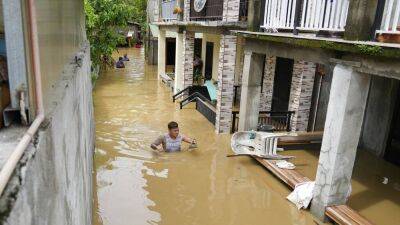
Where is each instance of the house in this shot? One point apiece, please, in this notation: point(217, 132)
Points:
point(299, 65)
point(186, 29)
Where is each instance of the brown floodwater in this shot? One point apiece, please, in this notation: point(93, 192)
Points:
point(134, 185)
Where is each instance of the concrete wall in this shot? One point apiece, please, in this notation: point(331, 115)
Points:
point(53, 182)
point(239, 60)
point(378, 114)
point(61, 31)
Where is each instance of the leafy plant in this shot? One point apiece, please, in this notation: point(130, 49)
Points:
point(197, 76)
point(369, 50)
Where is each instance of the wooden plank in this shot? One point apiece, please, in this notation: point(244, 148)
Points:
point(341, 214)
point(290, 177)
point(301, 137)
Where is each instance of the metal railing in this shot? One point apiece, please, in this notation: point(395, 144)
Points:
point(391, 17)
point(190, 90)
point(281, 121)
point(314, 15)
point(212, 10)
point(167, 10)
point(207, 110)
point(193, 97)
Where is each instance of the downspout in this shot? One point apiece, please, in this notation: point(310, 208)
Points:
point(15, 157)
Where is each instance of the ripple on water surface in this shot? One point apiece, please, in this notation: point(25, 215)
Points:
point(134, 185)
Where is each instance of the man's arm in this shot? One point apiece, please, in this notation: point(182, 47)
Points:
point(188, 140)
point(157, 143)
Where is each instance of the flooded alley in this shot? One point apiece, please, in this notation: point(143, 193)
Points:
point(134, 185)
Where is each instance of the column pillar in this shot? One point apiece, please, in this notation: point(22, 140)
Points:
point(226, 77)
point(268, 84)
point(178, 85)
point(231, 10)
point(186, 10)
point(301, 94)
point(251, 88)
point(161, 52)
point(347, 100)
point(254, 16)
point(362, 19)
point(188, 43)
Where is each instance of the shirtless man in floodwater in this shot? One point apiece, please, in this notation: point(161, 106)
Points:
point(171, 141)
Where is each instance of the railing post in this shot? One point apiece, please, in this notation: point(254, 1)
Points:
point(297, 16)
point(288, 121)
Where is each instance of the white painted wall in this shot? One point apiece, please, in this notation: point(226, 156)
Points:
point(216, 40)
point(179, 58)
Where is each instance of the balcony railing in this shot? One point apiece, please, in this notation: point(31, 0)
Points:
point(314, 15)
point(391, 17)
point(167, 10)
point(212, 10)
point(280, 121)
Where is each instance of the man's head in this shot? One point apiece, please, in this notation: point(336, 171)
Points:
point(173, 129)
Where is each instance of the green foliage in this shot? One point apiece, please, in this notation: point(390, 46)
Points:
point(369, 50)
point(197, 76)
point(104, 18)
point(139, 12)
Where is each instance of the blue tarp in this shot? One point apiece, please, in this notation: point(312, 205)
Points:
point(212, 90)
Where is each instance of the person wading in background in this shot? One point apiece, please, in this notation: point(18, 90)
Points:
point(120, 63)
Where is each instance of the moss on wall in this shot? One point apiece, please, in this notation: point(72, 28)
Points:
point(350, 47)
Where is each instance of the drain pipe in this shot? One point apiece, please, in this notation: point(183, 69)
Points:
point(15, 157)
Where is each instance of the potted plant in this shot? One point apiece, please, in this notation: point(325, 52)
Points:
point(197, 77)
point(177, 10)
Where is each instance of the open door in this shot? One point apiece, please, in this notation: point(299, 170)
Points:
point(392, 153)
point(209, 61)
point(282, 84)
point(170, 51)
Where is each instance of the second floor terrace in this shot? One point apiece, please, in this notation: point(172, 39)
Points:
point(379, 20)
point(203, 10)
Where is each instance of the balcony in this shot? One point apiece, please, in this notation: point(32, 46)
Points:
point(312, 15)
point(390, 23)
point(167, 10)
point(206, 10)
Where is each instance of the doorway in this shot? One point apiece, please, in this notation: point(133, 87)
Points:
point(197, 46)
point(392, 153)
point(209, 61)
point(282, 84)
point(170, 51)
